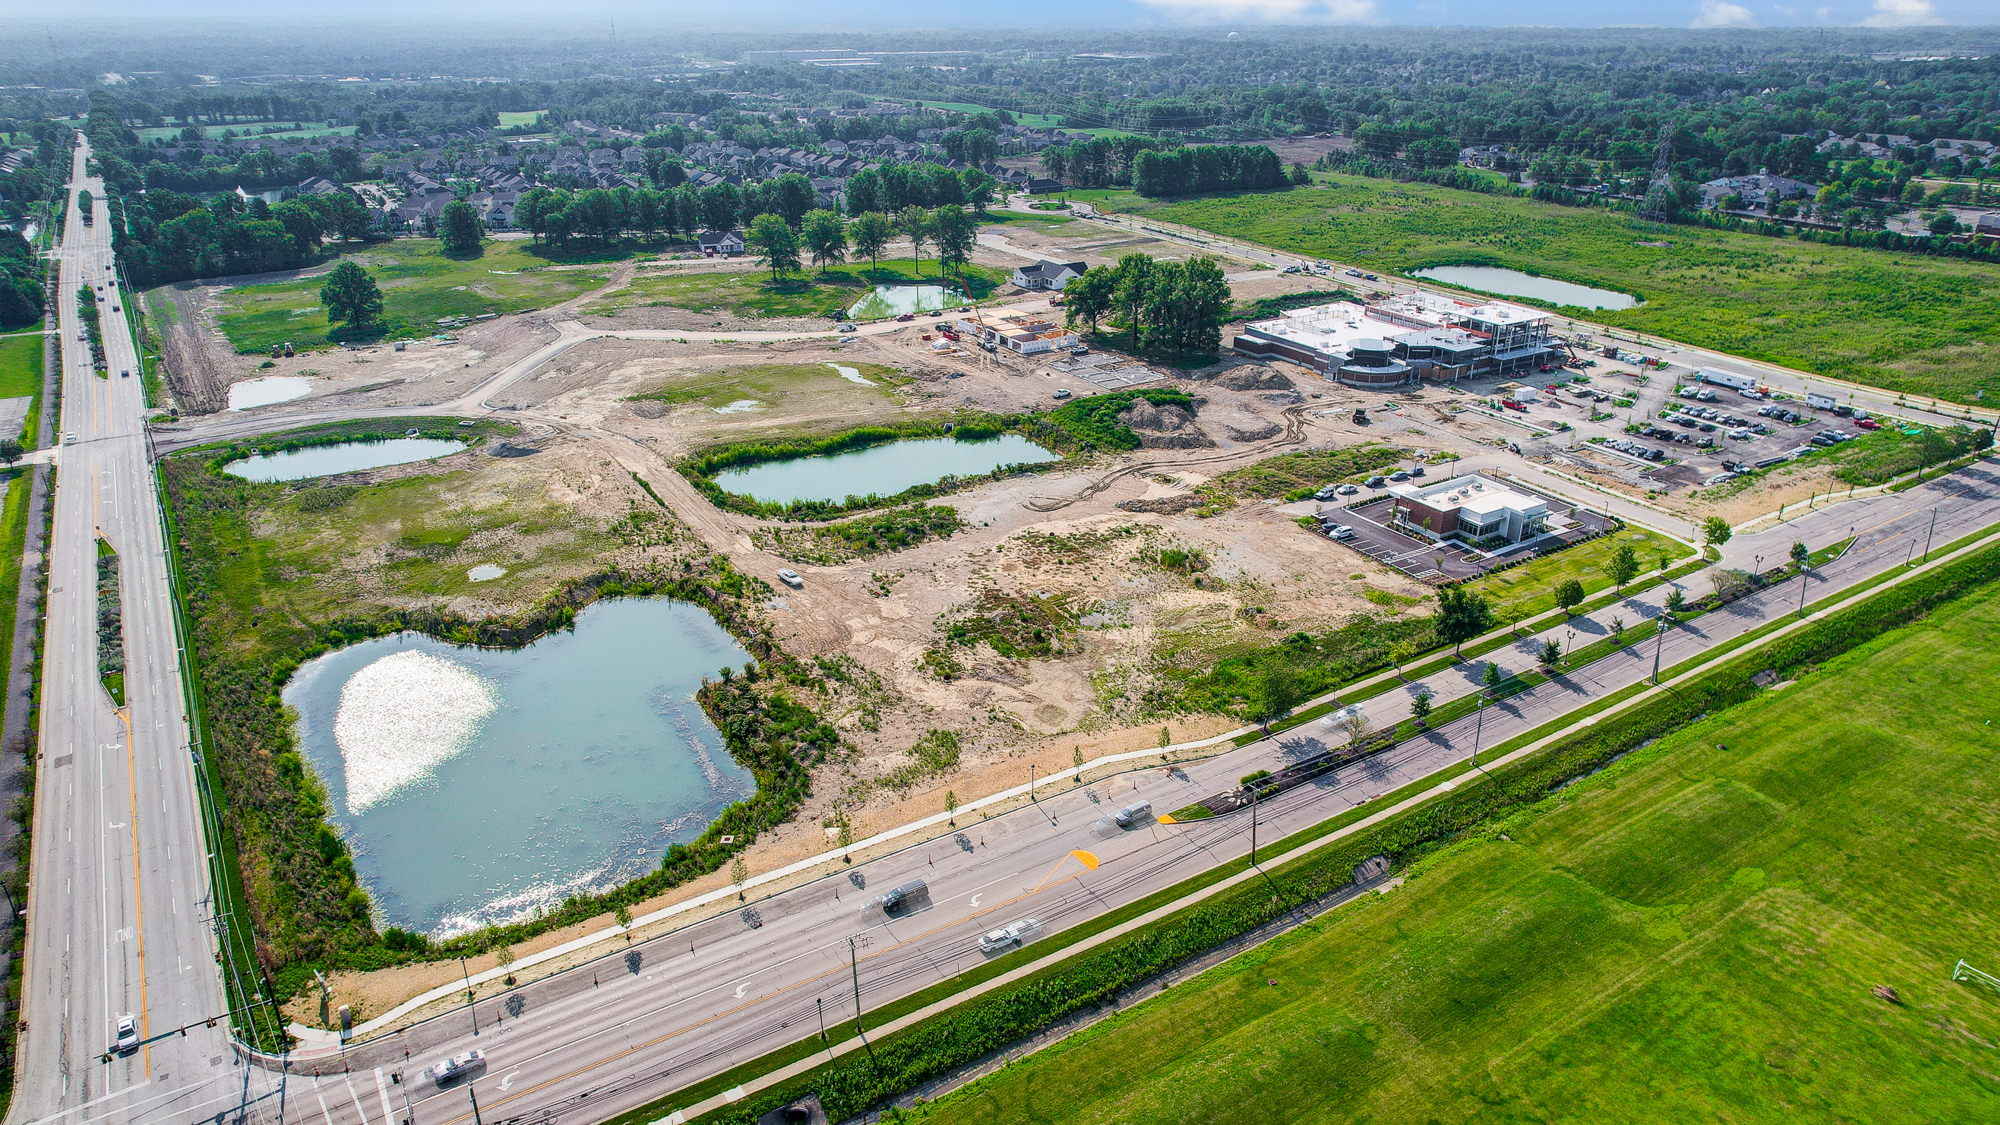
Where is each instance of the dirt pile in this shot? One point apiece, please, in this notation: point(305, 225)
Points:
point(1164, 427)
point(1252, 377)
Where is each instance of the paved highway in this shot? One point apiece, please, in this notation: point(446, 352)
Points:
point(118, 906)
point(646, 1020)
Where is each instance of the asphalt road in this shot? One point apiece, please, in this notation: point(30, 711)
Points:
point(657, 1016)
point(118, 906)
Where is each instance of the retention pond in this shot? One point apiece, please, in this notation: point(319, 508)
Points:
point(895, 300)
point(1514, 283)
point(476, 786)
point(881, 470)
point(347, 457)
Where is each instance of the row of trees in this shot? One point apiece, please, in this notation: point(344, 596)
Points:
point(825, 238)
point(21, 292)
point(1168, 308)
point(165, 236)
point(1206, 168)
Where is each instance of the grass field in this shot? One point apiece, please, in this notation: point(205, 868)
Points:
point(1691, 935)
point(809, 293)
point(1922, 326)
point(1529, 589)
point(419, 286)
point(13, 541)
point(766, 383)
point(511, 117)
point(21, 374)
point(253, 130)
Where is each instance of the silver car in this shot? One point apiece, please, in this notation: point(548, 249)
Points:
point(791, 578)
point(1007, 936)
point(128, 1035)
point(458, 1066)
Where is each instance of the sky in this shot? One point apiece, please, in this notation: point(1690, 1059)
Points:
point(793, 15)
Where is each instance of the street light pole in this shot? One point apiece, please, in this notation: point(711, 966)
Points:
point(1478, 727)
point(469, 1006)
point(819, 1005)
point(1253, 825)
point(1803, 583)
point(1928, 534)
point(854, 962)
point(1660, 641)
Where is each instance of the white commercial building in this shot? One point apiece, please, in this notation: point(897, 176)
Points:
point(1474, 509)
point(1402, 338)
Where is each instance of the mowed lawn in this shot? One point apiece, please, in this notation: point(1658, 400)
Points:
point(1690, 936)
point(1924, 326)
point(419, 286)
point(809, 292)
point(21, 374)
point(1530, 588)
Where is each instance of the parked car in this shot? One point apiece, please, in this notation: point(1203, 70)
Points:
point(1868, 423)
point(1750, 394)
point(791, 578)
point(1327, 493)
point(128, 1035)
point(1512, 405)
point(1399, 476)
point(1007, 936)
point(1062, 392)
point(1416, 470)
point(1376, 482)
point(1347, 490)
point(458, 1066)
point(907, 317)
point(1340, 531)
point(843, 327)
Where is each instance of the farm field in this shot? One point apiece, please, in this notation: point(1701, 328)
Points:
point(419, 286)
point(1700, 926)
point(753, 293)
point(1923, 326)
point(252, 129)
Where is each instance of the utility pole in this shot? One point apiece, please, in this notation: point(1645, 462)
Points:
point(819, 1004)
point(1660, 642)
point(1478, 728)
point(475, 1103)
point(854, 962)
point(1928, 534)
point(1653, 209)
point(1253, 823)
point(469, 1006)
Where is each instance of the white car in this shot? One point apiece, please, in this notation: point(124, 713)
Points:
point(791, 578)
point(1347, 490)
point(1007, 936)
point(458, 1066)
point(128, 1035)
point(1340, 531)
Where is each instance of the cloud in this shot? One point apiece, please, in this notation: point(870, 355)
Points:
point(1902, 13)
point(1288, 11)
point(1823, 13)
point(1722, 13)
point(1788, 13)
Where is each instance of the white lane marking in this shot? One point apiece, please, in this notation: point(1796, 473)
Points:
point(349, 1079)
point(509, 1080)
point(328, 1117)
point(382, 1088)
point(975, 900)
point(740, 988)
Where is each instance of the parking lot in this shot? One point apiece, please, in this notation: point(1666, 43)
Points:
point(1443, 562)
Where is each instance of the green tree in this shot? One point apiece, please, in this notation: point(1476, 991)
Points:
point(1551, 653)
point(825, 237)
point(350, 295)
point(739, 871)
point(951, 808)
point(915, 223)
point(1624, 566)
point(1493, 677)
point(1569, 595)
point(776, 244)
point(955, 233)
point(459, 230)
point(1088, 298)
point(11, 451)
point(1800, 555)
point(1462, 615)
point(1278, 691)
point(1676, 598)
point(1715, 531)
point(870, 233)
point(1420, 706)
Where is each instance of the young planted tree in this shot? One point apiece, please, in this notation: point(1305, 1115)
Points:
point(739, 874)
point(1420, 707)
point(870, 233)
point(1715, 531)
point(349, 295)
point(1624, 566)
point(825, 237)
point(1551, 653)
point(1493, 678)
point(951, 808)
point(1569, 595)
point(1676, 599)
point(1800, 555)
point(776, 244)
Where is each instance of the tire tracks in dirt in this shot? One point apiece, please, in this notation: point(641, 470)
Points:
point(1295, 434)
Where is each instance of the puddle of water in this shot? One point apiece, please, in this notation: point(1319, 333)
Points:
point(882, 470)
point(851, 374)
point(1514, 283)
point(895, 300)
point(347, 457)
point(477, 785)
point(740, 406)
point(267, 390)
point(485, 572)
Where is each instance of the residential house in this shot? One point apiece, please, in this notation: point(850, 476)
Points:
point(1048, 275)
point(720, 243)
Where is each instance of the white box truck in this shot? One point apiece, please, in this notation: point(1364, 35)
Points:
point(1726, 379)
point(1819, 401)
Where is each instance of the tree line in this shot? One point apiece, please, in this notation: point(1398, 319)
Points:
point(165, 236)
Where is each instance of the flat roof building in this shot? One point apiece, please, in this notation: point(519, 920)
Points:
point(1404, 337)
point(1481, 512)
